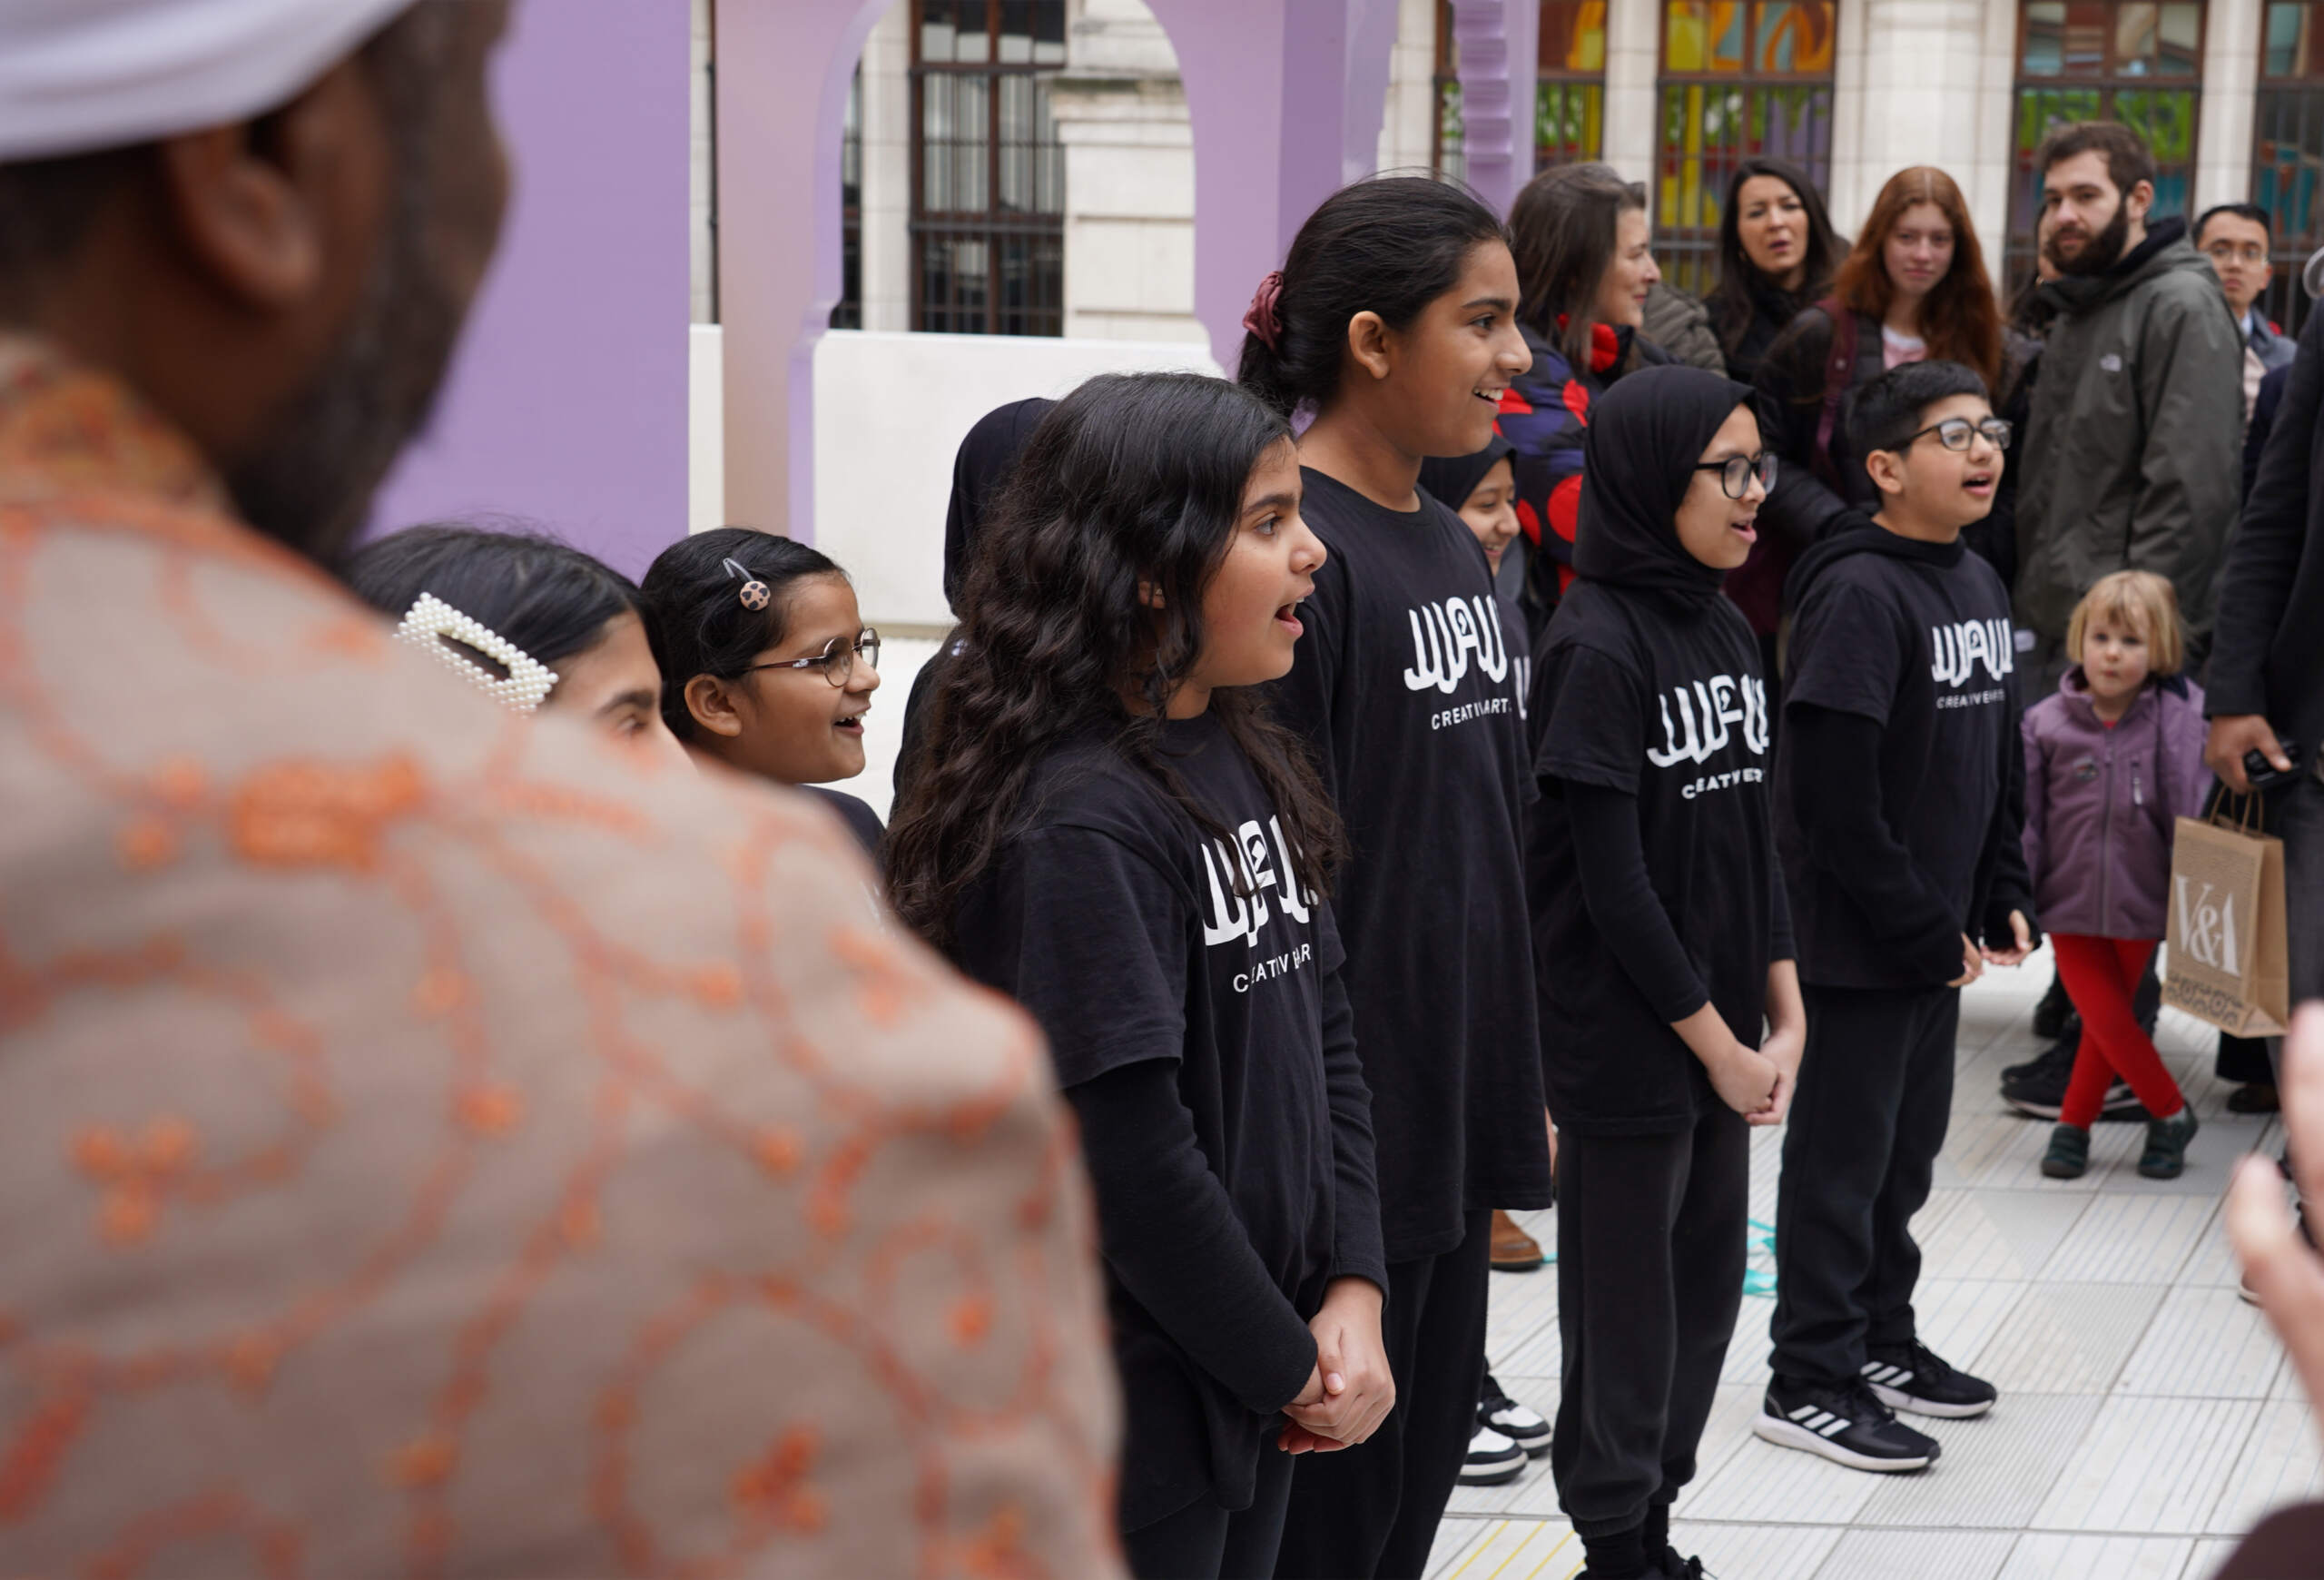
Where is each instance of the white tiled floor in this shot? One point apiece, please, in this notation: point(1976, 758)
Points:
point(2147, 1418)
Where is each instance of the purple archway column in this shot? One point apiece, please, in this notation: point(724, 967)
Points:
point(1497, 41)
point(784, 69)
point(1285, 95)
point(568, 399)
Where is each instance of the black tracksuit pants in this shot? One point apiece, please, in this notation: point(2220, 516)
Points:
point(1370, 1513)
point(1650, 1256)
point(1876, 1092)
point(1205, 1541)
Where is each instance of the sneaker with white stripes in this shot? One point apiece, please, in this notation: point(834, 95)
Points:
point(1493, 1459)
point(1911, 1377)
point(1844, 1425)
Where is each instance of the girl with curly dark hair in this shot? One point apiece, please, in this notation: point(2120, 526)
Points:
point(1394, 319)
point(1104, 826)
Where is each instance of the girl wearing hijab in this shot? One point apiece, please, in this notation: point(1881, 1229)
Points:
point(1394, 319)
point(979, 469)
point(1585, 263)
point(1776, 252)
point(1662, 942)
point(1913, 288)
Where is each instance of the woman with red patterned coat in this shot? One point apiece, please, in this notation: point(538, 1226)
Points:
point(1585, 264)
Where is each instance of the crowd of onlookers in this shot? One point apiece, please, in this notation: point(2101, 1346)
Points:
point(1528, 730)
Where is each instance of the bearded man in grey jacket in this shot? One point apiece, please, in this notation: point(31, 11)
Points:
point(2131, 452)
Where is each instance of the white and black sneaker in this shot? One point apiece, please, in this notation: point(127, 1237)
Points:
point(1496, 1412)
point(1493, 1459)
point(1914, 1378)
point(1846, 1424)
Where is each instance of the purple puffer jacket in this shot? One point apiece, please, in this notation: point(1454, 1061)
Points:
point(2100, 805)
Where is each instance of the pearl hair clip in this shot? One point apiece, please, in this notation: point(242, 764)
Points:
point(431, 620)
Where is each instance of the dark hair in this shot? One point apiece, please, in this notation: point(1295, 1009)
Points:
point(2252, 211)
point(1134, 477)
point(1562, 230)
point(701, 626)
point(2129, 160)
point(547, 597)
point(1391, 245)
point(1960, 319)
point(1890, 408)
point(1730, 300)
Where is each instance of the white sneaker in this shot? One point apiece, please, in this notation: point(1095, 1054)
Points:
point(1493, 1459)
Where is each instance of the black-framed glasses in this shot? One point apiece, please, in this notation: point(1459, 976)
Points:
point(837, 660)
point(1735, 472)
point(1954, 433)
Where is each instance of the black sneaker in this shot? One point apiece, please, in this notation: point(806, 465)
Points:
point(2039, 1087)
point(1846, 1424)
point(1915, 1377)
point(1500, 1413)
point(2060, 1051)
point(1493, 1459)
point(1674, 1567)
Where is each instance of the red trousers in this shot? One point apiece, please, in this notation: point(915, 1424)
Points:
point(2100, 974)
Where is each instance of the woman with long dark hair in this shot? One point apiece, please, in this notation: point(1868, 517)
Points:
point(1105, 826)
point(1585, 266)
point(1776, 252)
point(1913, 288)
point(1393, 320)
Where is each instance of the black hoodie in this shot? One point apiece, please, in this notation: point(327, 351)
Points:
point(1652, 870)
point(1900, 777)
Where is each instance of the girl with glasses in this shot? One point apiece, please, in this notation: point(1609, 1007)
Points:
point(1663, 942)
point(1105, 826)
point(766, 664)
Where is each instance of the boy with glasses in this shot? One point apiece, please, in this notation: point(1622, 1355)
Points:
point(1899, 787)
point(2236, 238)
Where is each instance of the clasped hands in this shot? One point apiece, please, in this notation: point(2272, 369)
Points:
point(1349, 1391)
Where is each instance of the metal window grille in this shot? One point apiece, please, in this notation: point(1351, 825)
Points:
point(848, 312)
point(2288, 149)
point(1739, 78)
point(987, 189)
point(1569, 88)
point(2139, 61)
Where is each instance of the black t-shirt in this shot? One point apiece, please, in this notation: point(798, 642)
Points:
point(1404, 683)
point(1662, 700)
point(1916, 638)
point(861, 820)
point(1141, 943)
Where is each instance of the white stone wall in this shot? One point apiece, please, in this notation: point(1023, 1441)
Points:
point(887, 171)
point(2231, 79)
point(704, 246)
point(1408, 119)
point(1129, 178)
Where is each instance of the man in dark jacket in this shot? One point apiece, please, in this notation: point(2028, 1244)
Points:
point(2266, 683)
point(2129, 460)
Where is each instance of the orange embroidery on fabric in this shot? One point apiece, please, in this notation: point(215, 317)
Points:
point(491, 1110)
point(315, 813)
point(148, 842)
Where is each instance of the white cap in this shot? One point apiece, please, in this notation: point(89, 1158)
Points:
point(80, 76)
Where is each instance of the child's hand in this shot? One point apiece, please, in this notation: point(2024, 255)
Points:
point(1745, 1081)
point(2023, 931)
point(1358, 1392)
point(1783, 1049)
point(1973, 963)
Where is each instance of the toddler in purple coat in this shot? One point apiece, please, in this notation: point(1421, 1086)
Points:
point(2111, 761)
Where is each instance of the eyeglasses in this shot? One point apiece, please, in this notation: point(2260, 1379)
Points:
point(837, 661)
point(2231, 252)
point(1954, 433)
point(1735, 472)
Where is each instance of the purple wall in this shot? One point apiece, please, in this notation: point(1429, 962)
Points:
point(567, 399)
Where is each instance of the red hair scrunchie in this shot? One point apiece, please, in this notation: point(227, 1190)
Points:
point(1263, 318)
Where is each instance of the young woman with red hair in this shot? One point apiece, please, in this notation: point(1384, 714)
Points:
point(1912, 287)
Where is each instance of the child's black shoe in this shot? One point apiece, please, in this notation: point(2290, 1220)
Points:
point(1846, 1425)
point(2068, 1154)
point(2165, 1157)
point(1913, 1377)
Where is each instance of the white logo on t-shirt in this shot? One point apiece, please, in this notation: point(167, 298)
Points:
point(1705, 710)
point(1240, 879)
point(1960, 648)
point(1444, 637)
